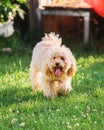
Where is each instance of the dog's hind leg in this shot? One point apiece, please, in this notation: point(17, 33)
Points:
point(35, 77)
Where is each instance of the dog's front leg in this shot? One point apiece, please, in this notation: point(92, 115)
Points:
point(67, 85)
point(64, 87)
point(50, 90)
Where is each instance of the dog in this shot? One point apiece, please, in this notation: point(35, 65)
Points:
point(52, 66)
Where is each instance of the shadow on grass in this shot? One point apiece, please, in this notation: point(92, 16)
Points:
point(12, 95)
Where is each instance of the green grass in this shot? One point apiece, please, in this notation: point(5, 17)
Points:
point(22, 109)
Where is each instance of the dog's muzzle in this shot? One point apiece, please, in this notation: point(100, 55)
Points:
point(57, 69)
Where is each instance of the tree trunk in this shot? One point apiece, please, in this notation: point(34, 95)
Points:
point(33, 4)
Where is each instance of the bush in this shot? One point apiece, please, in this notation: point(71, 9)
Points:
point(9, 9)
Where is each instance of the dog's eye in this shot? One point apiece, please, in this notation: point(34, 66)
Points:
point(54, 57)
point(62, 58)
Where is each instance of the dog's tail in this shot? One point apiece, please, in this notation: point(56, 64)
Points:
point(52, 37)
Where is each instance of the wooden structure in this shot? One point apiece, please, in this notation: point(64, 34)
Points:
point(71, 8)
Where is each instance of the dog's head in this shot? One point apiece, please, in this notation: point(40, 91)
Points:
point(61, 63)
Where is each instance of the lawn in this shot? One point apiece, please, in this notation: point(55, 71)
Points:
point(22, 109)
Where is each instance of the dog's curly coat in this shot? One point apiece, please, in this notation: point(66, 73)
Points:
point(52, 67)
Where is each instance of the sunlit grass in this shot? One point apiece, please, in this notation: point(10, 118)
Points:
point(22, 109)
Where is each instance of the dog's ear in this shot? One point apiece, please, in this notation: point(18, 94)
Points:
point(48, 71)
point(71, 72)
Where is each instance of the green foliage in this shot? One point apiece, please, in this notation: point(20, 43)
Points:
point(22, 109)
point(13, 42)
point(9, 9)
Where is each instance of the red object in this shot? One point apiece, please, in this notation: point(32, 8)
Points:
point(97, 5)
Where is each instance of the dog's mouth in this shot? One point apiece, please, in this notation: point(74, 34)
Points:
point(58, 71)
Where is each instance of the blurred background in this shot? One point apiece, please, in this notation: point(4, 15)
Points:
point(21, 20)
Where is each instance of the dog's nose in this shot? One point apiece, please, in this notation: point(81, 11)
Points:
point(57, 64)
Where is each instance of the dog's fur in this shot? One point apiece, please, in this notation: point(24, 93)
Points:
point(52, 67)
